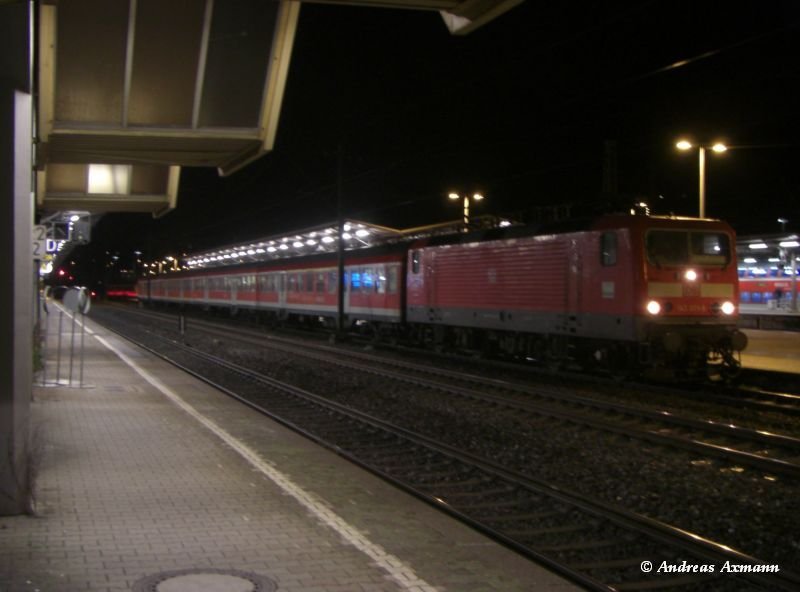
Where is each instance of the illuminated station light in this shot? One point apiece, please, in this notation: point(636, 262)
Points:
point(769, 256)
point(321, 239)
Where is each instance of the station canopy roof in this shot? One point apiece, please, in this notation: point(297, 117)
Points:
point(130, 91)
point(763, 253)
point(323, 239)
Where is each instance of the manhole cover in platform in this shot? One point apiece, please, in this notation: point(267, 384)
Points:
point(205, 580)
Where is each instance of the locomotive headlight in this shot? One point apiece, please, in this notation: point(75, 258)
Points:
point(653, 307)
point(728, 308)
point(690, 275)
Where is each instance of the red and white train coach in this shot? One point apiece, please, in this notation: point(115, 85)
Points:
point(616, 291)
point(303, 286)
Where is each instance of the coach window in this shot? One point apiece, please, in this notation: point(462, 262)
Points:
point(355, 281)
point(392, 280)
point(368, 280)
point(608, 248)
point(333, 281)
point(380, 280)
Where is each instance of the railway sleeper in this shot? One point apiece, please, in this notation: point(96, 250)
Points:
point(610, 563)
point(675, 583)
point(532, 516)
point(537, 532)
point(580, 546)
point(468, 482)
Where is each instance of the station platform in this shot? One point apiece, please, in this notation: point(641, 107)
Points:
point(776, 351)
point(148, 479)
point(773, 338)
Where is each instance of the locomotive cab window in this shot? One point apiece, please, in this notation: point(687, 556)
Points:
point(710, 248)
point(608, 249)
point(680, 247)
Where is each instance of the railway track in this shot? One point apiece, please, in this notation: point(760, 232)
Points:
point(597, 545)
point(763, 450)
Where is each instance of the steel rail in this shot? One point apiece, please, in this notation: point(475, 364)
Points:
point(691, 444)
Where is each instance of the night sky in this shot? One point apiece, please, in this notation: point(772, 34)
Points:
point(521, 110)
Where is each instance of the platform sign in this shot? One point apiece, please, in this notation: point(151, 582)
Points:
point(39, 241)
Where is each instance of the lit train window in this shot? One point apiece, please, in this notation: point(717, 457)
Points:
point(380, 279)
point(608, 248)
point(319, 285)
point(392, 280)
point(368, 280)
point(355, 281)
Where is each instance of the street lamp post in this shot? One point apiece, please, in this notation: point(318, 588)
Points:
point(467, 198)
point(701, 155)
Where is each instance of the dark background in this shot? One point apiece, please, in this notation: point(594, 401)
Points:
point(522, 110)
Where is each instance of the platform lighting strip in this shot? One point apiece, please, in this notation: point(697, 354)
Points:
point(324, 240)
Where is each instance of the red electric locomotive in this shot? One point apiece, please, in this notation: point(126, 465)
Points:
point(618, 291)
point(621, 292)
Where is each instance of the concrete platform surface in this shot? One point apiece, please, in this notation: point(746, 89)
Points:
point(148, 479)
point(772, 350)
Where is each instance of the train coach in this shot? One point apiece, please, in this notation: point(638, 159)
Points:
point(619, 292)
point(303, 289)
